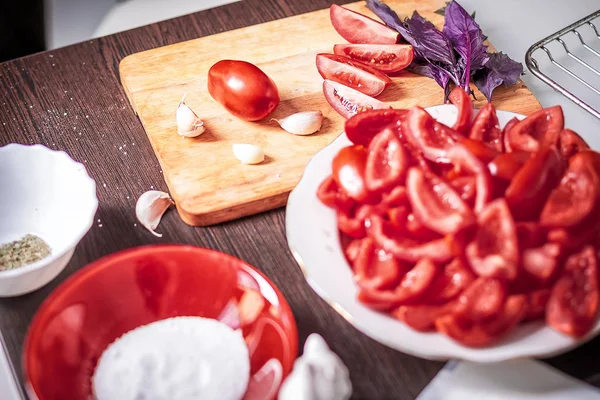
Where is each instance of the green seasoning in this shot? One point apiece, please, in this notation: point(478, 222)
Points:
point(26, 250)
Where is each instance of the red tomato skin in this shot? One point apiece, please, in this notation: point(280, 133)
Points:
point(349, 102)
point(461, 100)
point(486, 129)
point(243, 89)
point(531, 186)
point(363, 127)
point(483, 299)
point(540, 129)
point(358, 28)
point(454, 278)
point(387, 161)
point(348, 171)
point(571, 143)
point(384, 58)
point(352, 73)
point(506, 165)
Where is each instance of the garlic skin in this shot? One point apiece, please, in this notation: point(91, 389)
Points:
point(302, 123)
point(318, 375)
point(150, 208)
point(248, 153)
point(188, 123)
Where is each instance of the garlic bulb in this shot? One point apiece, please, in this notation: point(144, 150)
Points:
point(150, 208)
point(318, 375)
point(248, 153)
point(188, 123)
point(302, 123)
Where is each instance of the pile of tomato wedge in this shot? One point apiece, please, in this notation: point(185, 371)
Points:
point(472, 229)
point(356, 73)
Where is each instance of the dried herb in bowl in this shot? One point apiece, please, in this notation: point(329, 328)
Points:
point(26, 250)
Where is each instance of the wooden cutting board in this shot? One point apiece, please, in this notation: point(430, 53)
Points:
point(208, 184)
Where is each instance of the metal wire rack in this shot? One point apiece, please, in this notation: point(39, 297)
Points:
point(559, 37)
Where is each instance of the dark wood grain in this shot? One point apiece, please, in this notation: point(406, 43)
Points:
point(71, 99)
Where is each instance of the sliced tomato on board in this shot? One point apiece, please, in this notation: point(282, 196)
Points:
point(540, 129)
point(483, 299)
point(358, 28)
point(506, 165)
point(347, 101)
point(573, 304)
point(531, 186)
point(465, 160)
point(362, 128)
point(541, 262)
point(571, 143)
point(375, 268)
point(486, 129)
point(482, 334)
point(577, 194)
point(352, 73)
point(330, 195)
point(385, 58)
point(413, 285)
point(436, 204)
point(494, 252)
point(387, 161)
point(422, 317)
point(454, 278)
point(404, 248)
point(348, 168)
point(463, 103)
point(431, 137)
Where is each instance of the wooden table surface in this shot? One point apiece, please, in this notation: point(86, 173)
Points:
point(71, 99)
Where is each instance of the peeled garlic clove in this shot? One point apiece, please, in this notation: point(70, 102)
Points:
point(150, 208)
point(302, 123)
point(248, 153)
point(188, 123)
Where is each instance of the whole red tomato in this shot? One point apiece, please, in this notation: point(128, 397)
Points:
point(243, 89)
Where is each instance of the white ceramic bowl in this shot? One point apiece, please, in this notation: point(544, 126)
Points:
point(314, 241)
point(46, 193)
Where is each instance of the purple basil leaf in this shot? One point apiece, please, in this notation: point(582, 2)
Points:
point(427, 40)
point(466, 37)
point(499, 69)
point(434, 71)
point(442, 11)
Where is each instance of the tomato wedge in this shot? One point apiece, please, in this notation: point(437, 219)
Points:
point(436, 204)
point(540, 129)
point(577, 193)
point(454, 278)
point(494, 252)
point(332, 197)
point(352, 73)
point(422, 317)
point(385, 58)
point(571, 143)
point(482, 151)
point(431, 137)
point(506, 165)
point(362, 128)
point(512, 122)
point(387, 161)
point(482, 334)
point(531, 186)
point(405, 248)
point(536, 304)
point(347, 101)
point(466, 187)
point(348, 168)
point(464, 159)
point(376, 269)
point(483, 299)
point(413, 285)
point(463, 103)
point(541, 262)
point(486, 129)
point(358, 28)
point(573, 304)
point(352, 249)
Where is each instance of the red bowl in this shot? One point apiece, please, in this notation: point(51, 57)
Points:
point(125, 290)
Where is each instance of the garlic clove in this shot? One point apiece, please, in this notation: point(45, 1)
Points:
point(248, 153)
point(188, 123)
point(150, 208)
point(302, 123)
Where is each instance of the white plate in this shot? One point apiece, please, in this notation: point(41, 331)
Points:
point(314, 241)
